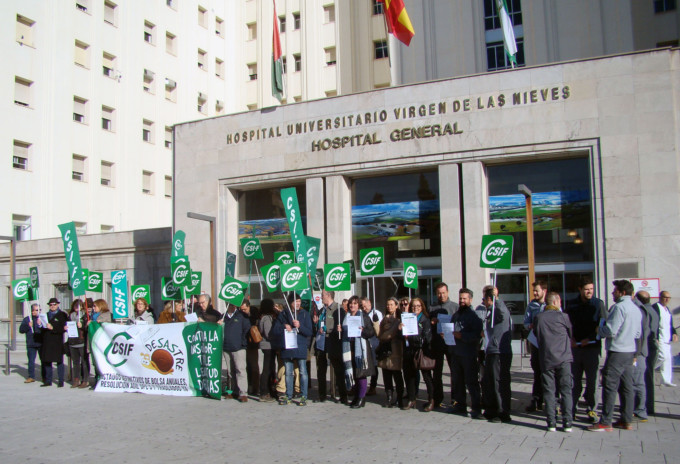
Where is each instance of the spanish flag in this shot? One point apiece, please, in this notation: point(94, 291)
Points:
point(398, 22)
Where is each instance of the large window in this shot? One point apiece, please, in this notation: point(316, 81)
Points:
point(381, 50)
point(561, 209)
point(495, 51)
point(401, 214)
point(261, 213)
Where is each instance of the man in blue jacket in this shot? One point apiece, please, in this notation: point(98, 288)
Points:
point(297, 321)
point(236, 328)
point(31, 326)
point(536, 306)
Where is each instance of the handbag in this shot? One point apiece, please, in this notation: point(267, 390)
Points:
point(376, 324)
point(383, 351)
point(254, 334)
point(423, 362)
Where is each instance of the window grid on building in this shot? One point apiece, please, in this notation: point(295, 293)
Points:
point(201, 59)
point(298, 62)
point(25, 30)
point(168, 186)
point(149, 81)
point(80, 110)
point(170, 90)
point(106, 174)
point(21, 227)
point(83, 5)
point(147, 131)
point(296, 21)
point(219, 26)
point(108, 121)
point(202, 17)
point(330, 56)
point(20, 155)
point(149, 29)
point(219, 68)
point(82, 54)
point(79, 170)
point(329, 14)
point(491, 19)
point(108, 65)
point(201, 103)
point(496, 58)
point(252, 71)
point(662, 6)
point(110, 10)
point(168, 137)
point(380, 47)
point(377, 7)
point(252, 31)
point(22, 91)
point(147, 182)
point(170, 43)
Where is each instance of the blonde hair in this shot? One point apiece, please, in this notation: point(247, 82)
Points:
point(102, 306)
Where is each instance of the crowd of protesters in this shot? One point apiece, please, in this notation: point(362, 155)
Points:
point(474, 341)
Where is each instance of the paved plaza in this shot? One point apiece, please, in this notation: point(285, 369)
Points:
point(59, 425)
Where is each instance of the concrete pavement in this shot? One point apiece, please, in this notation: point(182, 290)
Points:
point(55, 425)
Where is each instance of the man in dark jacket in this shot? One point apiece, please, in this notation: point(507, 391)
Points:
point(553, 331)
point(31, 326)
point(467, 330)
point(205, 310)
point(498, 359)
point(585, 313)
point(52, 348)
point(640, 366)
point(323, 325)
point(236, 328)
point(444, 307)
point(298, 321)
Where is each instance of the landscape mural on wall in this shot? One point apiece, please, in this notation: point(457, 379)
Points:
point(395, 221)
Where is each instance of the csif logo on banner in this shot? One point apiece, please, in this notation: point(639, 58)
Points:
point(20, 289)
point(372, 261)
point(293, 277)
point(337, 277)
point(410, 275)
point(496, 251)
point(120, 294)
point(251, 248)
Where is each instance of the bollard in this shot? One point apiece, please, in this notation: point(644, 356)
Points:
point(7, 350)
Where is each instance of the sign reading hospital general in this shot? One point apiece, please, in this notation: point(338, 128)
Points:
point(272, 275)
point(294, 277)
point(72, 254)
point(372, 261)
point(180, 359)
point(119, 287)
point(496, 252)
point(233, 291)
point(410, 275)
point(337, 277)
point(251, 248)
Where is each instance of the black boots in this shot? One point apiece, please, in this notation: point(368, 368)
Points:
point(358, 403)
point(390, 398)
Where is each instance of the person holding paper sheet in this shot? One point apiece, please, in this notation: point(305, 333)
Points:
point(467, 332)
point(268, 374)
point(356, 352)
point(539, 289)
point(497, 359)
point(236, 330)
point(326, 347)
point(142, 311)
point(52, 348)
point(294, 320)
point(376, 316)
point(390, 353)
point(444, 307)
point(76, 345)
point(412, 345)
point(585, 313)
point(342, 371)
point(554, 333)
point(31, 326)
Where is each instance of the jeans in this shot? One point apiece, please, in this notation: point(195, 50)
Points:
point(437, 382)
point(31, 352)
point(466, 373)
point(79, 359)
point(562, 376)
point(639, 387)
point(268, 372)
point(290, 377)
point(48, 372)
point(617, 373)
point(537, 388)
point(586, 360)
point(496, 381)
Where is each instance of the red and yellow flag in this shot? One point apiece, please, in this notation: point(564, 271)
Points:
point(398, 22)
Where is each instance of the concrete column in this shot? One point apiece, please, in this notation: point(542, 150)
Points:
point(450, 223)
point(339, 219)
point(316, 224)
point(476, 220)
point(227, 232)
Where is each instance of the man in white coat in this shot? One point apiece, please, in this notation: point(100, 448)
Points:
point(667, 335)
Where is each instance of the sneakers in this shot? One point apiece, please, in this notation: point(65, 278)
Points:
point(567, 429)
point(622, 425)
point(303, 401)
point(669, 384)
point(284, 401)
point(599, 427)
point(592, 416)
point(552, 428)
point(29, 380)
point(637, 418)
point(266, 398)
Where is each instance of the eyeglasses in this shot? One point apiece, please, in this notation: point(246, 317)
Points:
point(53, 304)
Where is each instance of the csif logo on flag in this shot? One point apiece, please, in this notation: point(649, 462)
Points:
point(284, 257)
point(117, 277)
point(33, 273)
point(272, 275)
point(140, 291)
point(20, 289)
point(372, 261)
point(232, 291)
point(95, 282)
point(410, 275)
point(170, 290)
point(496, 252)
point(251, 248)
point(293, 277)
point(337, 277)
point(181, 273)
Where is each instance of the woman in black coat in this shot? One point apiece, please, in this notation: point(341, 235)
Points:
point(413, 344)
point(356, 353)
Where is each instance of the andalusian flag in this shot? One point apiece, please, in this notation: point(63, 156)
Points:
point(277, 61)
point(508, 33)
point(398, 22)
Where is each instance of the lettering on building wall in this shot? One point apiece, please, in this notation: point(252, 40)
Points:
point(403, 113)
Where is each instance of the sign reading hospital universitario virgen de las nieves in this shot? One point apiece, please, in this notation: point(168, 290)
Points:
point(181, 359)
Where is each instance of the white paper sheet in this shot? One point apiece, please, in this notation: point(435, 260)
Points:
point(532, 339)
point(291, 339)
point(191, 317)
point(43, 319)
point(410, 321)
point(353, 326)
point(72, 329)
point(320, 342)
point(442, 319)
point(447, 330)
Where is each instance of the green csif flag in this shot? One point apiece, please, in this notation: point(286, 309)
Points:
point(297, 235)
point(178, 243)
point(72, 253)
